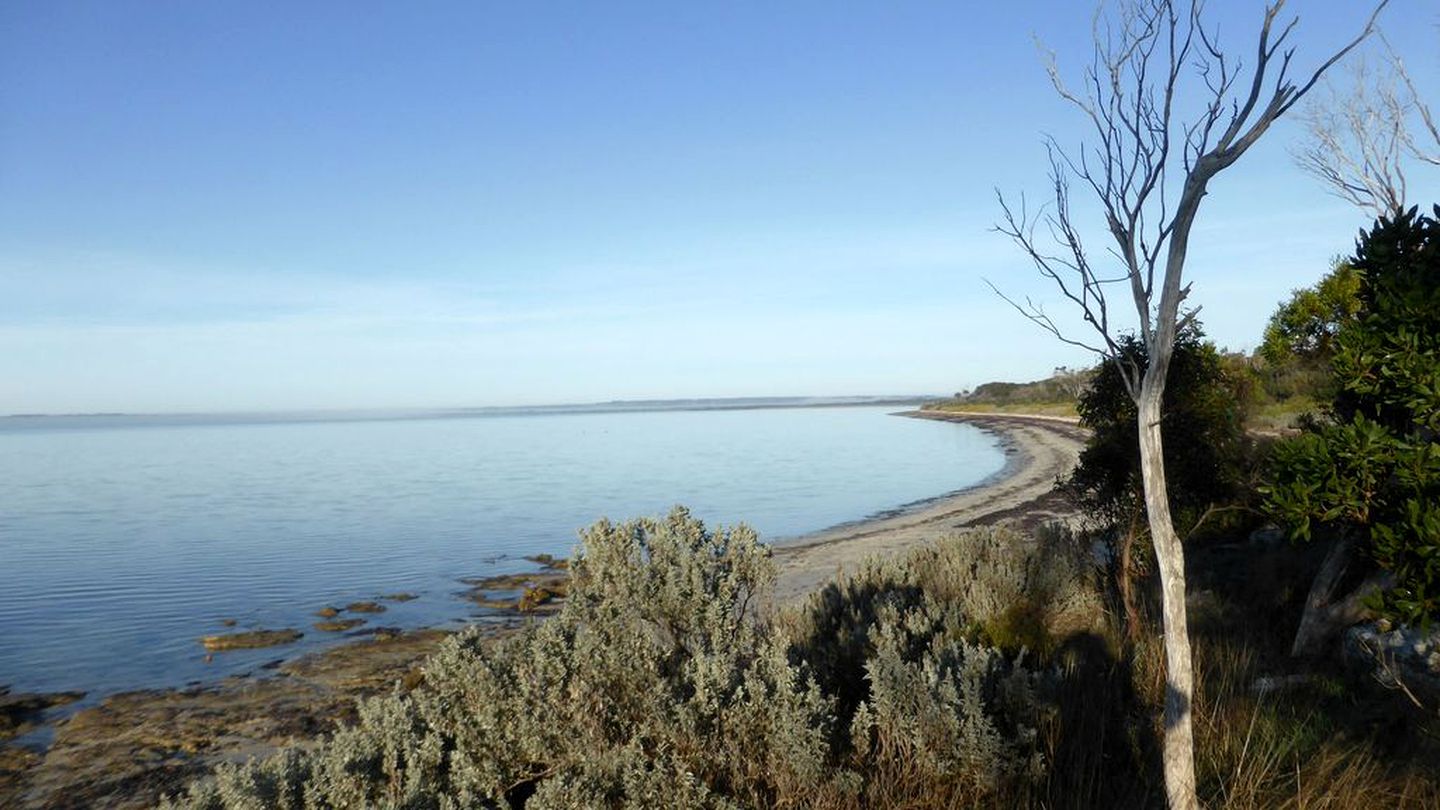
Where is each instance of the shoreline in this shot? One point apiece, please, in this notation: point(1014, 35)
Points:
point(1038, 450)
point(116, 753)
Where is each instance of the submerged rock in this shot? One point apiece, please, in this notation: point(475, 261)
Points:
point(327, 612)
point(550, 562)
point(399, 597)
point(381, 633)
point(250, 640)
point(494, 604)
point(518, 582)
point(507, 582)
point(533, 592)
point(365, 607)
point(338, 625)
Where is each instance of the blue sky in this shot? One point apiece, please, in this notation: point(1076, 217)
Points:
point(210, 206)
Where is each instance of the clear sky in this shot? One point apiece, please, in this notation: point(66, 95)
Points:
point(241, 206)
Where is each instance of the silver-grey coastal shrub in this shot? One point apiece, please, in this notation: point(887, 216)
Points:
point(926, 656)
point(656, 686)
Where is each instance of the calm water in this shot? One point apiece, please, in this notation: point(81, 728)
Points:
point(123, 541)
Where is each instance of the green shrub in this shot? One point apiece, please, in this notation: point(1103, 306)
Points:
point(1373, 470)
point(1303, 330)
point(1207, 455)
point(1208, 459)
point(943, 708)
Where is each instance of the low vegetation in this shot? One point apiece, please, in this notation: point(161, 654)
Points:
point(1055, 395)
point(656, 685)
point(986, 670)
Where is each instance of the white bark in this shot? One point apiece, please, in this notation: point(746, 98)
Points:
point(1313, 623)
point(1178, 754)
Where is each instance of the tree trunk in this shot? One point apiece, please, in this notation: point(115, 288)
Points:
point(1314, 623)
point(1179, 740)
point(1126, 578)
point(1325, 615)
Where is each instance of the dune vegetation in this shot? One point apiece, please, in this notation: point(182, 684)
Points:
point(991, 669)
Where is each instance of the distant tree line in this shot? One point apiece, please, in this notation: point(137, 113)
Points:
point(1063, 386)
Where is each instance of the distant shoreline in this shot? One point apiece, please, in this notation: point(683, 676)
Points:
point(380, 414)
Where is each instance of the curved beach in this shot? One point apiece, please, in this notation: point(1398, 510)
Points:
point(1039, 449)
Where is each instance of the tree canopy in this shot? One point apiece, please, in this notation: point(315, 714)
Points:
point(1303, 329)
point(1373, 471)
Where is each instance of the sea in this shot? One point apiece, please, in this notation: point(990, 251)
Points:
point(124, 539)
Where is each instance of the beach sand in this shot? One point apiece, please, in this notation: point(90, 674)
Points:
point(1039, 449)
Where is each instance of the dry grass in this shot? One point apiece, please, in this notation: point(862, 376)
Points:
point(1326, 738)
point(1292, 749)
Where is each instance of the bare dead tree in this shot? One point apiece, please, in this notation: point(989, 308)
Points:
point(1361, 137)
point(1072, 381)
point(1148, 167)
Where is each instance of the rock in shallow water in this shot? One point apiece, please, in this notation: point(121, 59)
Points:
point(533, 598)
point(250, 640)
point(134, 747)
point(365, 607)
point(550, 562)
point(338, 625)
point(538, 592)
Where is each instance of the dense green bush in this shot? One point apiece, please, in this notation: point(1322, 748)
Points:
point(1207, 455)
point(1292, 364)
point(1373, 470)
point(657, 685)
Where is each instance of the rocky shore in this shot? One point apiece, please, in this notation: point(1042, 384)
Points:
point(134, 747)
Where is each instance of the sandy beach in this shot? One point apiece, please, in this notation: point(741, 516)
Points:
point(1039, 449)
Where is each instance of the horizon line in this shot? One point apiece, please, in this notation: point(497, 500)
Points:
point(673, 403)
